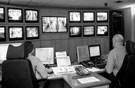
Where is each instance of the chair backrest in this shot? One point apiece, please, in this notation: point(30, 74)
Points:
point(17, 72)
point(126, 75)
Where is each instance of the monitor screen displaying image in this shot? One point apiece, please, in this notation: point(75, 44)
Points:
point(15, 15)
point(32, 32)
point(54, 24)
point(88, 17)
point(102, 16)
point(94, 51)
point(2, 34)
point(88, 30)
point(31, 15)
point(102, 30)
point(74, 16)
point(2, 14)
point(15, 33)
point(75, 31)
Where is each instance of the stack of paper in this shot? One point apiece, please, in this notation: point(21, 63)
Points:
point(88, 80)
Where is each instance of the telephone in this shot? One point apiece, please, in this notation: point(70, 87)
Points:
point(80, 70)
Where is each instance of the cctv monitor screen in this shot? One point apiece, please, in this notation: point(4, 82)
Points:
point(75, 31)
point(15, 33)
point(88, 16)
point(102, 16)
point(2, 34)
point(15, 15)
point(102, 30)
point(74, 16)
point(88, 30)
point(2, 14)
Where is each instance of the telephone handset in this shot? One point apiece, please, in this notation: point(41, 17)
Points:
point(80, 70)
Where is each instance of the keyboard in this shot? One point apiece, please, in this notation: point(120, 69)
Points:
point(100, 64)
point(87, 64)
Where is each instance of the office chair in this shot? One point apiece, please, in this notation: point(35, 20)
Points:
point(125, 76)
point(17, 71)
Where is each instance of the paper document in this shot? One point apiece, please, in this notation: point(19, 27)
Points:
point(63, 61)
point(63, 70)
point(93, 69)
point(61, 54)
point(88, 80)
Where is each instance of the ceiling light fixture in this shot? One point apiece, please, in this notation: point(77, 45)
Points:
point(119, 1)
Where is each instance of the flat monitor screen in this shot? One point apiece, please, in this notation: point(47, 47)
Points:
point(88, 30)
point(74, 16)
point(32, 32)
point(75, 31)
point(2, 34)
point(102, 16)
point(2, 14)
point(31, 15)
point(94, 51)
point(15, 33)
point(83, 53)
point(88, 17)
point(15, 15)
point(102, 30)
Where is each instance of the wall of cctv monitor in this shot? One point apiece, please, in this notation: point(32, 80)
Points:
point(31, 15)
point(15, 15)
point(2, 14)
point(15, 33)
point(54, 24)
point(75, 31)
point(2, 33)
point(32, 32)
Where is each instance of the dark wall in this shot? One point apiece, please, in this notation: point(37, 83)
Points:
point(62, 41)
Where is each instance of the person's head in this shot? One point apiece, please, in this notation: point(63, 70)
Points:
point(28, 48)
point(118, 39)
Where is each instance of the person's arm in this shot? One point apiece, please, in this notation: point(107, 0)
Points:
point(110, 63)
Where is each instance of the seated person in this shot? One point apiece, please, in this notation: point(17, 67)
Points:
point(38, 68)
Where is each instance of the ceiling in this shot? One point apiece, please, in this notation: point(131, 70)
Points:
point(70, 3)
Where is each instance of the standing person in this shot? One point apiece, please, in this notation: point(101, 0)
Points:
point(116, 56)
point(38, 68)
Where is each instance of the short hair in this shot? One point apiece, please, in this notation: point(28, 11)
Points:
point(118, 38)
point(28, 47)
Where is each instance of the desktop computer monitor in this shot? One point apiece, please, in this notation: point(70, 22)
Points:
point(83, 53)
point(94, 51)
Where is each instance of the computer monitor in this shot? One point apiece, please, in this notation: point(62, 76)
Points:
point(83, 53)
point(94, 51)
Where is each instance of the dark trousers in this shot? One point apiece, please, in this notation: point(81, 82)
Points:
point(114, 83)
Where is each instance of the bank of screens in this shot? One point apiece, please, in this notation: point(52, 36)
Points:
point(32, 32)
point(15, 32)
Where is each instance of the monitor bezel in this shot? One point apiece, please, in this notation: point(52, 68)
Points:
point(79, 35)
point(27, 38)
point(102, 34)
point(92, 57)
point(11, 39)
point(3, 20)
point(89, 20)
point(57, 20)
point(32, 21)
point(102, 20)
point(3, 39)
point(21, 20)
point(88, 26)
point(73, 21)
